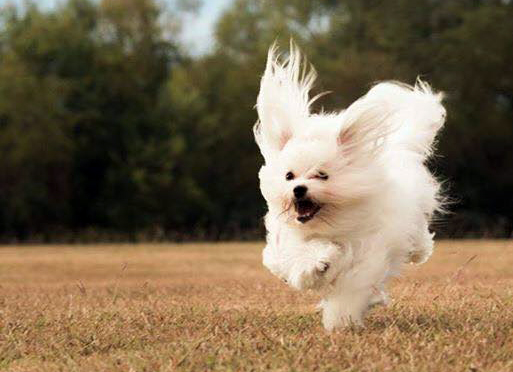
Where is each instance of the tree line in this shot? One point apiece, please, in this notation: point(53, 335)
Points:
point(111, 129)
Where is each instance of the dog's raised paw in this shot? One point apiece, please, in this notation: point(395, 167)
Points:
point(322, 267)
point(309, 275)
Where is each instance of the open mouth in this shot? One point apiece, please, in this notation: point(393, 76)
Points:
point(306, 209)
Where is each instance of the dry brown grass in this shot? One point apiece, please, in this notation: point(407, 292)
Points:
point(199, 307)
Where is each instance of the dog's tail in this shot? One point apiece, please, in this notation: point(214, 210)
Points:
point(416, 111)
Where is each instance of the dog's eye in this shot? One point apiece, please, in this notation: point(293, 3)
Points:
point(289, 176)
point(322, 176)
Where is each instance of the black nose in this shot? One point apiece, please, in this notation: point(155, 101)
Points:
point(300, 191)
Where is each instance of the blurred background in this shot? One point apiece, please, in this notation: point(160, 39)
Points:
point(131, 119)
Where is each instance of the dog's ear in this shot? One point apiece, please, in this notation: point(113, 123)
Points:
point(273, 129)
point(283, 101)
point(411, 115)
point(364, 127)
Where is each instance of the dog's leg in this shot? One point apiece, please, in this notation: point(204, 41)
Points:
point(271, 260)
point(422, 246)
point(345, 307)
point(314, 265)
point(379, 296)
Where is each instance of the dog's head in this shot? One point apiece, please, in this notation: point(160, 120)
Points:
point(319, 168)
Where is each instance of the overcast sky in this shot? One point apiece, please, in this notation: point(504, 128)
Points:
point(197, 29)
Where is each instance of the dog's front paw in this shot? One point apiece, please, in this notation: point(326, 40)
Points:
point(309, 274)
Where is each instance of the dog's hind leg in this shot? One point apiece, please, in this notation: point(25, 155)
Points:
point(422, 246)
point(379, 296)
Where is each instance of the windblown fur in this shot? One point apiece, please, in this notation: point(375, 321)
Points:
point(349, 196)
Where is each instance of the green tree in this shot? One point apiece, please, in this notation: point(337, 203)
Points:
point(87, 114)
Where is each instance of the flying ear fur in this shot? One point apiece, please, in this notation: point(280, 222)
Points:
point(419, 114)
point(283, 99)
point(365, 125)
point(409, 117)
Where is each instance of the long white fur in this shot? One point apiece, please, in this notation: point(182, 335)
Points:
point(378, 200)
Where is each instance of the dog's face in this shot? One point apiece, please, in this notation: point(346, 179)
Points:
point(298, 181)
point(318, 168)
point(311, 182)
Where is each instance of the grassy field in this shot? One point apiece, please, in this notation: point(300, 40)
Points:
point(199, 307)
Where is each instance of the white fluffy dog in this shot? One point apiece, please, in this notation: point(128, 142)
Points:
point(349, 196)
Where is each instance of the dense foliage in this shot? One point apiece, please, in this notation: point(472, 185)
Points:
point(108, 128)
